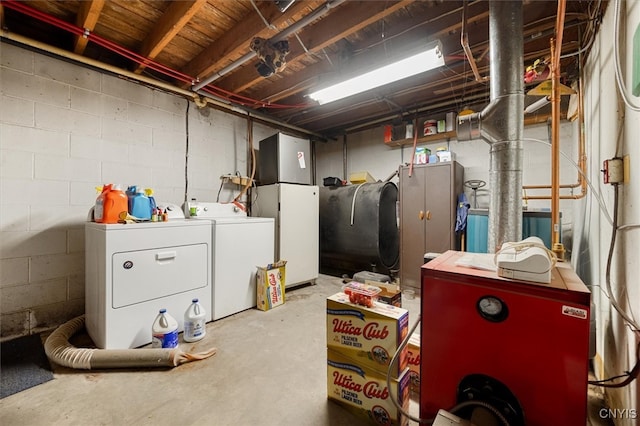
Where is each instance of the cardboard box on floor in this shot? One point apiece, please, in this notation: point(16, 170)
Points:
point(390, 294)
point(413, 360)
point(364, 390)
point(270, 283)
point(368, 336)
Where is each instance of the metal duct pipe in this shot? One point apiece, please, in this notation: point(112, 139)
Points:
point(501, 123)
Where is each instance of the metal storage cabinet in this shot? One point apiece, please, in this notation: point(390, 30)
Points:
point(427, 214)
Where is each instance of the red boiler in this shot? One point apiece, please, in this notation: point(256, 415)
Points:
point(521, 347)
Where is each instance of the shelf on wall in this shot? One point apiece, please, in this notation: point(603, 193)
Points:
point(424, 139)
point(530, 120)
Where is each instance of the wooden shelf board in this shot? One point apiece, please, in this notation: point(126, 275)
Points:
point(528, 121)
point(424, 139)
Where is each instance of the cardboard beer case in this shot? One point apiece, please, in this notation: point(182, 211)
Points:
point(368, 336)
point(270, 285)
point(364, 391)
point(413, 358)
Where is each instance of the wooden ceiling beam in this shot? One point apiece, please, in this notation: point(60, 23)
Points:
point(450, 23)
point(345, 21)
point(87, 18)
point(234, 43)
point(303, 80)
point(177, 15)
point(449, 35)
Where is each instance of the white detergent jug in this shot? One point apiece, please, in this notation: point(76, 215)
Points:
point(164, 331)
point(194, 322)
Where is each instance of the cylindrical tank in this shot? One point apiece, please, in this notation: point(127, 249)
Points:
point(359, 227)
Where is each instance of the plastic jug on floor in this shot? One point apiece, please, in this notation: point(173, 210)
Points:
point(164, 331)
point(194, 322)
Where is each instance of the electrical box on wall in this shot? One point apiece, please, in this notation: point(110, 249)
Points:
point(613, 171)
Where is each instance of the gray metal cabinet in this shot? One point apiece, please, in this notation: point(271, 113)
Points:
point(428, 201)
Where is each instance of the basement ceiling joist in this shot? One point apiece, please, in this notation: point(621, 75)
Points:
point(187, 42)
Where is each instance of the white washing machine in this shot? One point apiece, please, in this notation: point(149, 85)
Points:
point(134, 270)
point(240, 245)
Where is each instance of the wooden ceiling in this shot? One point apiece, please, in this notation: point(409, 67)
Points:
point(188, 43)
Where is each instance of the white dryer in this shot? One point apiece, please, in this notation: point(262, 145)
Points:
point(240, 245)
point(134, 270)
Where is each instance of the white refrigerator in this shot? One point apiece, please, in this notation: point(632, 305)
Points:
point(295, 209)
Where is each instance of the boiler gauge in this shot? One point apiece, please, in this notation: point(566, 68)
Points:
point(492, 308)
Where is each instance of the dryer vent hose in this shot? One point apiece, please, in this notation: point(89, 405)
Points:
point(60, 351)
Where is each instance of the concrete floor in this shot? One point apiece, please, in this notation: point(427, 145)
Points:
point(270, 370)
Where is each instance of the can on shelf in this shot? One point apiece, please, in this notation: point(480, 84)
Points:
point(430, 127)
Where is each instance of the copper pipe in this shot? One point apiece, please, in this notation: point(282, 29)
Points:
point(556, 51)
point(582, 160)
point(464, 41)
point(546, 197)
point(582, 156)
point(415, 142)
point(566, 185)
point(555, 146)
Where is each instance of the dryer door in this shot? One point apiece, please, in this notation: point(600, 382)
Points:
point(142, 275)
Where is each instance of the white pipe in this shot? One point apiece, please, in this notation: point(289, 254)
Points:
point(537, 105)
point(616, 62)
point(60, 351)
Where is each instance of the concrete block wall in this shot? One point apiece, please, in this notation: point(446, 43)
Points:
point(612, 131)
point(66, 129)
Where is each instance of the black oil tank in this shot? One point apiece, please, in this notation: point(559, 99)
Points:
point(359, 227)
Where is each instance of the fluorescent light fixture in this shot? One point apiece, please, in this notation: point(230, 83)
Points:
point(424, 61)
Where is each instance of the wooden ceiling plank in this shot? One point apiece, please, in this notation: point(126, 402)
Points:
point(348, 19)
point(279, 89)
point(220, 33)
point(235, 43)
point(87, 18)
point(352, 17)
point(172, 21)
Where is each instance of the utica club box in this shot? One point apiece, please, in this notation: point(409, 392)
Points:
point(413, 360)
point(368, 336)
point(364, 391)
